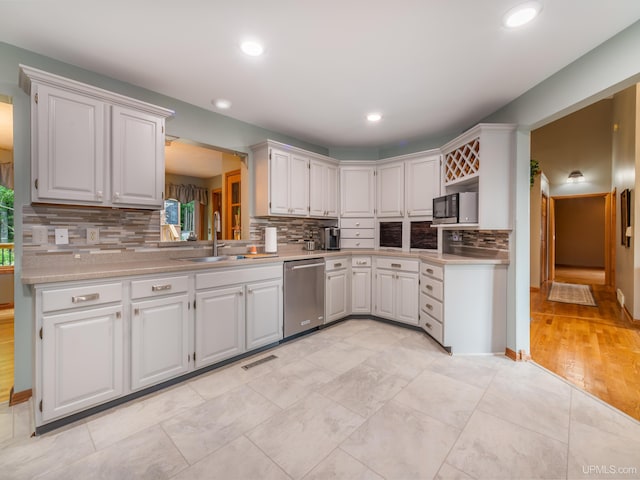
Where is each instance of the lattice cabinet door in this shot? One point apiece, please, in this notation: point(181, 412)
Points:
point(463, 163)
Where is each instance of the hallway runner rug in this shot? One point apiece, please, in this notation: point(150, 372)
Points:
point(571, 293)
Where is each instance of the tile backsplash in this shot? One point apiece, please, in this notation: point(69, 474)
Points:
point(486, 239)
point(290, 230)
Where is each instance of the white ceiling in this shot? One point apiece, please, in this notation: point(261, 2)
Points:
point(432, 67)
point(192, 161)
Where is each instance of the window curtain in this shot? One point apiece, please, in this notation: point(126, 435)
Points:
point(6, 175)
point(188, 193)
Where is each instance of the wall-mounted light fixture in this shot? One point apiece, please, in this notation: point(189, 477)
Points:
point(575, 176)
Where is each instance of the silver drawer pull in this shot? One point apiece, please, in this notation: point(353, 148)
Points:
point(429, 306)
point(396, 265)
point(85, 298)
point(429, 287)
point(159, 288)
point(361, 262)
point(337, 265)
point(357, 234)
point(428, 325)
point(429, 270)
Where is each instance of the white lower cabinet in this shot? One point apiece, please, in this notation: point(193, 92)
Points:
point(159, 340)
point(337, 289)
point(361, 285)
point(81, 360)
point(264, 313)
point(396, 289)
point(219, 325)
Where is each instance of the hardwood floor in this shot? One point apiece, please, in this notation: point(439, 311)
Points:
point(595, 348)
point(6, 353)
point(591, 276)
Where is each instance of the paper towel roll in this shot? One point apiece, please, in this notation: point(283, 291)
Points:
point(270, 240)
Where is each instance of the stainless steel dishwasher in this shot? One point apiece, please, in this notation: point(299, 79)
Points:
point(303, 295)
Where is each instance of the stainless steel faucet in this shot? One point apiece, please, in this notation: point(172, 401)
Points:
point(216, 229)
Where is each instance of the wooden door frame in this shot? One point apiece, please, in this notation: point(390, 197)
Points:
point(228, 223)
point(609, 242)
point(544, 242)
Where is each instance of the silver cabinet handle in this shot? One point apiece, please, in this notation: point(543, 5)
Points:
point(241, 293)
point(85, 298)
point(429, 270)
point(118, 315)
point(429, 287)
point(429, 306)
point(396, 265)
point(308, 265)
point(337, 265)
point(428, 325)
point(361, 262)
point(357, 234)
point(357, 224)
point(159, 288)
point(357, 244)
point(249, 290)
point(136, 311)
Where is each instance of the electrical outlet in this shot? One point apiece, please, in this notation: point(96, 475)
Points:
point(39, 235)
point(62, 236)
point(93, 235)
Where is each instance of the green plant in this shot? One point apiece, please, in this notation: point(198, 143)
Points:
point(535, 170)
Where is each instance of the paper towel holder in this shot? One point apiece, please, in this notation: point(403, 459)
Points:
point(270, 240)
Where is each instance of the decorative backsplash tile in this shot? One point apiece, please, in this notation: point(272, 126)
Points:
point(488, 239)
point(290, 230)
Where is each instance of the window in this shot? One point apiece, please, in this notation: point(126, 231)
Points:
point(6, 227)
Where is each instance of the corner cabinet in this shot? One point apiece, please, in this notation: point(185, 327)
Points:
point(481, 160)
point(357, 191)
point(93, 147)
point(396, 289)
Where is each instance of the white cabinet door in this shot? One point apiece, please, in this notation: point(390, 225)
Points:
point(391, 190)
point(422, 185)
point(159, 340)
point(323, 189)
point(219, 326)
point(360, 290)
point(357, 191)
point(279, 182)
point(331, 191)
point(264, 313)
point(407, 294)
point(82, 360)
point(317, 188)
point(69, 147)
point(137, 158)
point(299, 185)
point(337, 295)
point(385, 293)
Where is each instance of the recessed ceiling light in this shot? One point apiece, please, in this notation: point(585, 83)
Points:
point(251, 48)
point(374, 117)
point(222, 103)
point(522, 14)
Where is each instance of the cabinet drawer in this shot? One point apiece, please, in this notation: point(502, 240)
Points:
point(225, 277)
point(336, 264)
point(431, 306)
point(356, 233)
point(82, 296)
point(398, 264)
point(432, 270)
point(433, 327)
point(356, 243)
point(357, 223)
point(361, 261)
point(159, 286)
point(431, 287)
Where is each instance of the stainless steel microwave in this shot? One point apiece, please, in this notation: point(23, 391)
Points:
point(461, 207)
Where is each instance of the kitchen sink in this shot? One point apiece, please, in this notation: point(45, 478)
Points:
point(220, 258)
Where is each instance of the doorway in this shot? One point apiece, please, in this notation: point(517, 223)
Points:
point(6, 249)
point(581, 239)
point(232, 220)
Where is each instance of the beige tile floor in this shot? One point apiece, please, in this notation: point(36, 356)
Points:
point(359, 400)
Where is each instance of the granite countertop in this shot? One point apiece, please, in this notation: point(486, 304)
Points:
point(121, 265)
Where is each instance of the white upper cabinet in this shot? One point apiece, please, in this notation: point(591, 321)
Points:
point(480, 160)
point(93, 147)
point(422, 184)
point(137, 158)
point(357, 191)
point(323, 189)
point(288, 183)
point(293, 182)
point(391, 190)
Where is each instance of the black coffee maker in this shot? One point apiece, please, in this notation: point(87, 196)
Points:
point(330, 238)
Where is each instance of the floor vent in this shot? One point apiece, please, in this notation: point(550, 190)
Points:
point(259, 362)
